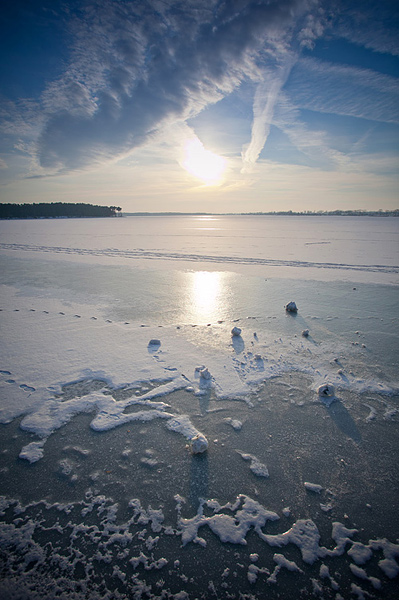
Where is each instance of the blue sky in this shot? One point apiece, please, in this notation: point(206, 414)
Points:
point(191, 105)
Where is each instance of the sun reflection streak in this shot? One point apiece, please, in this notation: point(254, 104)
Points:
point(206, 295)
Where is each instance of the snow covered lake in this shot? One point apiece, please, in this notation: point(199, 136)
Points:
point(117, 356)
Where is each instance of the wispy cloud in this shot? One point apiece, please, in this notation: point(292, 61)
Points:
point(344, 90)
point(303, 33)
point(370, 24)
point(265, 99)
point(315, 144)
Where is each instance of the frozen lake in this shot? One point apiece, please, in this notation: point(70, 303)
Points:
point(102, 496)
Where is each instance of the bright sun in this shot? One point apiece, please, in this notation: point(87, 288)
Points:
point(201, 163)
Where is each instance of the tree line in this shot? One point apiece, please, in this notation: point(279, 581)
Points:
point(52, 210)
point(332, 213)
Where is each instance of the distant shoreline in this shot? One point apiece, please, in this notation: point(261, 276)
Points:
point(288, 213)
point(61, 210)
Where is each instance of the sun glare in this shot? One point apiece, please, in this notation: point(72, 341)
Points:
point(206, 295)
point(203, 164)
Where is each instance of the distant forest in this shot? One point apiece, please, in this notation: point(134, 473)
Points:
point(285, 213)
point(334, 213)
point(54, 210)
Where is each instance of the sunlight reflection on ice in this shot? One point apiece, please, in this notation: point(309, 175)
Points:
point(207, 295)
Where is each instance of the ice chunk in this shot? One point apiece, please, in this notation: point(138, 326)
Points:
point(313, 487)
point(154, 342)
point(305, 333)
point(327, 393)
point(254, 557)
point(199, 444)
point(205, 374)
point(235, 331)
point(235, 423)
point(291, 307)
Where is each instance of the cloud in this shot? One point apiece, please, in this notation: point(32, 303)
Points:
point(315, 144)
point(265, 99)
point(344, 90)
point(137, 67)
point(370, 24)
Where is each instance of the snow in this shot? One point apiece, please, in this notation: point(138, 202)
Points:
point(361, 574)
point(388, 564)
point(360, 553)
point(282, 562)
point(303, 534)
point(230, 522)
point(33, 451)
point(325, 574)
point(247, 513)
point(258, 468)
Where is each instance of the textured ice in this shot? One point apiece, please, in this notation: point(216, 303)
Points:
point(135, 543)
point(71, 349)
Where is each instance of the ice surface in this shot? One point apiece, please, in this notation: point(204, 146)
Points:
point(363, 249)
point(113, 366)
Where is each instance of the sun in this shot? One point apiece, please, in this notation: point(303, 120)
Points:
point(203, 164)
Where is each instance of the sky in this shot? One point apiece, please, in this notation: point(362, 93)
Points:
point(200, 105)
